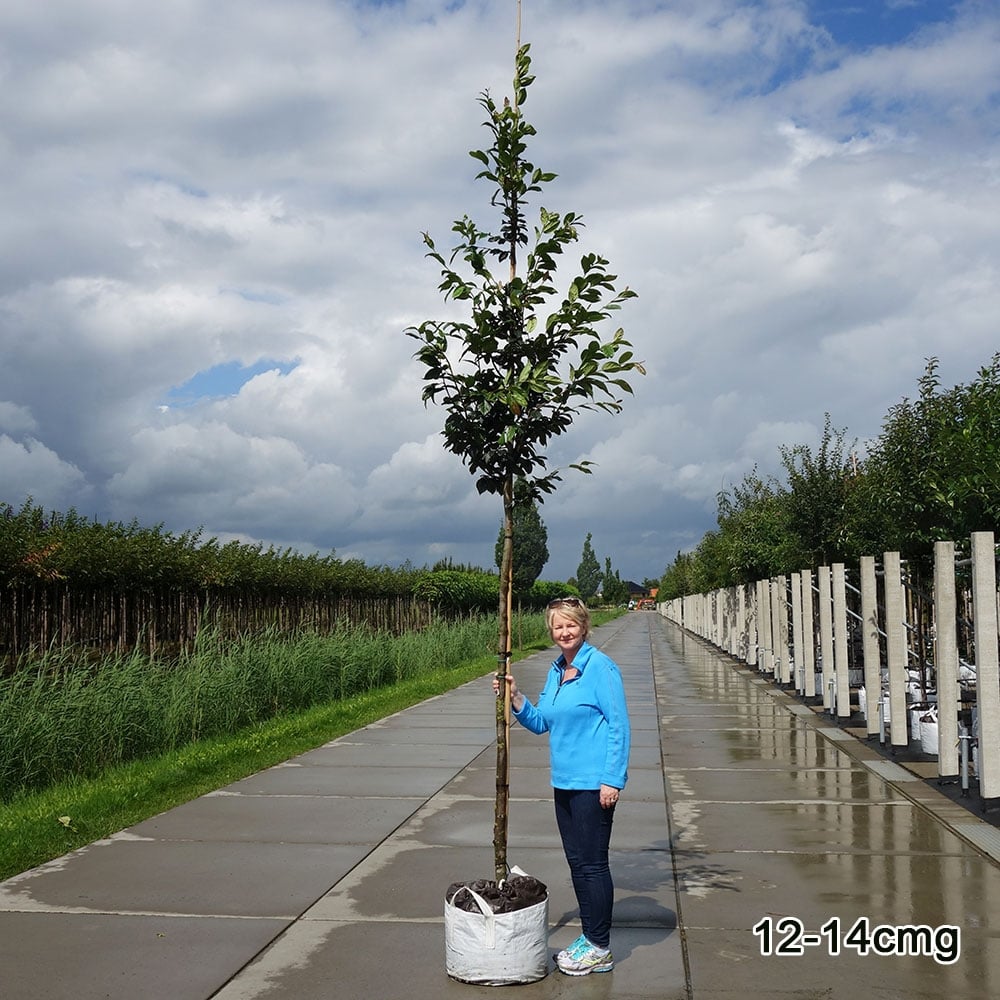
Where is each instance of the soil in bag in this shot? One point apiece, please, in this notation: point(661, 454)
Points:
point(516, 893)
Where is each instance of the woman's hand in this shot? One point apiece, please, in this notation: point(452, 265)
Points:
point(609, 796)
point(516, 698)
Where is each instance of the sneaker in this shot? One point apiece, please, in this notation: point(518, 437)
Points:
point(589, 959)
point(571, 950)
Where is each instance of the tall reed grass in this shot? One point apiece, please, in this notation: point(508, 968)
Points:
point(62, 718)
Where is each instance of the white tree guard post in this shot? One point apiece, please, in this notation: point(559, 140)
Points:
point(946, 658)
point(840, 658)
point(808, 634)
point(871, 646)
point(984, 620)
point(779, 629)
point(733, 606)
point(765, 661)
point(753, 640)
point(742, 646)
point(797, 631)
point(895, 642)
point(826, 633)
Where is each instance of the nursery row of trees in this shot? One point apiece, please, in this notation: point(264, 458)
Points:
point(933, 473)
point(66, 580)
point(49, 547)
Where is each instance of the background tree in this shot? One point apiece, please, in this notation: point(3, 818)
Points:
point(511, 383)
point(815, 498)
point(753, 538)
point(934, 471)
point(677, 578)
point(531, 550)
point(588, 573)
point(615, 590)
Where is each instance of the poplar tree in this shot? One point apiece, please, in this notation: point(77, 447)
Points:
point(588, 573)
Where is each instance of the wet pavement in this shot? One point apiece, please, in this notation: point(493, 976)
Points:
point(759, 851)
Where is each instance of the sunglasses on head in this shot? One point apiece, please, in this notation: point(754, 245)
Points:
point(573, 602)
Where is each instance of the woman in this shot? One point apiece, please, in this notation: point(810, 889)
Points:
point(582, 708)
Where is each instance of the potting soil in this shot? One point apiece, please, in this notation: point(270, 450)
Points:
point(514, 893)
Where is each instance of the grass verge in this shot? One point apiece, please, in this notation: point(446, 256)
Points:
point(38, 826)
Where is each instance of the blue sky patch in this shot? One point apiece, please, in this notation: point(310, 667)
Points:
point(221, 381)
point(865, 24)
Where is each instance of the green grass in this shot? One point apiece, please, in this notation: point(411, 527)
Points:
point(40, 825)
point(63, 717)
point(37, 825)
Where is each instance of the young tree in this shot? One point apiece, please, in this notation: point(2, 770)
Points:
point(588, 573)
point(509, 381)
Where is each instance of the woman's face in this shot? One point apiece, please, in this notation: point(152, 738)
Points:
point(566, 634)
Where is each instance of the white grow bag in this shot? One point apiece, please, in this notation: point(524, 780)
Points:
point(496, 949)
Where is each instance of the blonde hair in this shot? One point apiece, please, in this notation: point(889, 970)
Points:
point(569, 607)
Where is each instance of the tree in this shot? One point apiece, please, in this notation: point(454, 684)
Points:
point(677, 578)
point(817, 493)
point(615, 589)
point(753, 537)
point(588, 573)
point(934, 472)
point(531, 550)
point(510, 382)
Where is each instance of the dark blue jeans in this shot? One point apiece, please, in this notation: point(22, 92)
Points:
point(585, 829)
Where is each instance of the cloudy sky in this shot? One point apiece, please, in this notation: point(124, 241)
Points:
point(211, 244)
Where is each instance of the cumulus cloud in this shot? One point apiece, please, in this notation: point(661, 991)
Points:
point(804, 202)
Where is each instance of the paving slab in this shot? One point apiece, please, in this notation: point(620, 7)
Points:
point(479, 780)
point(726, 965)
point(96, 956)
point(126, 875)
point(308, 963)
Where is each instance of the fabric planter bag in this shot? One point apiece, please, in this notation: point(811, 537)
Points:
point(490, 948)
point(929, 733)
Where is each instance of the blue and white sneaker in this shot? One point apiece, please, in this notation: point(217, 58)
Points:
point(582, 962)
point(571, 950)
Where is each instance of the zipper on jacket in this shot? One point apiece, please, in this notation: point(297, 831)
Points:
point(562, 683)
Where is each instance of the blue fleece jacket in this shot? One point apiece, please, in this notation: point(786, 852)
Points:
point(587, 721)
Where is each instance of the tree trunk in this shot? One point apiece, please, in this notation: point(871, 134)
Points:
point(503, 699)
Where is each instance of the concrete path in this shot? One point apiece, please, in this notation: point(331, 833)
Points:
point(325, 877)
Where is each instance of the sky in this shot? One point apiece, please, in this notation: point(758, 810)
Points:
point(211, 245)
